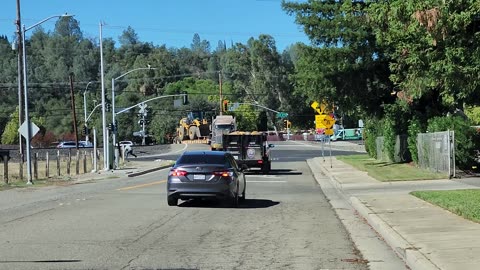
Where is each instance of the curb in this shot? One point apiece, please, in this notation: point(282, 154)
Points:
point(149, 171)
point(413, 258)
point(410, 255)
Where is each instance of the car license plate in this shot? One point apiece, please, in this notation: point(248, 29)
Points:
point(198, 177)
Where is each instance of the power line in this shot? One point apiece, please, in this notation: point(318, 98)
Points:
point(186, 31)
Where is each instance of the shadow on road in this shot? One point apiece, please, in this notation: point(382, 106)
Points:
point(247, 204)
point(274, 172)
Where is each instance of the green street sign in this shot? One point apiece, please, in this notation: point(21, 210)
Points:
point(282, 115)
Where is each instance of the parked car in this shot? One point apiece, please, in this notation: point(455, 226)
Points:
point(67, 144)
point(125, 143)
point(206, 174)
point(85, 144)
point(72, 144)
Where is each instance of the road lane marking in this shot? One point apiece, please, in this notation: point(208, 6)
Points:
point(265, 181)
point(167, 154)
point(142, 185)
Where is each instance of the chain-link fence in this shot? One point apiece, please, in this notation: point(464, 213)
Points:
point(436, 151)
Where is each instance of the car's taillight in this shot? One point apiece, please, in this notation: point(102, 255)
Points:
point(222, 173)
point(259, 161)
point(177, 173)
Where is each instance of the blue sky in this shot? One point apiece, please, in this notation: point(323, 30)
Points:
point(170, 22)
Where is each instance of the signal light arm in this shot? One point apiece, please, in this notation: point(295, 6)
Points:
point(251, 104)
point(131, 107)
point(90, 115)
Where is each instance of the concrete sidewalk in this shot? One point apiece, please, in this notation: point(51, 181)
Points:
point(423, 235)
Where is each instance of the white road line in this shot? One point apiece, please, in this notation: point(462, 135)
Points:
point(265, 181)
point(166, 154)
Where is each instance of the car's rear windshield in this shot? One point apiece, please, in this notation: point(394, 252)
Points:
point(201, 159)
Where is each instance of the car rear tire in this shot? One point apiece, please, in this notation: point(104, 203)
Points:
point(172, 201)
point(235, 199)
point(243, 198)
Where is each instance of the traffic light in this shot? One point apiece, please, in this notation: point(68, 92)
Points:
point(225, 105)
point(86, 130)
point(185, 98)
point(289, 124)
point(285, 123)
point(107, 107)
point(112, 127)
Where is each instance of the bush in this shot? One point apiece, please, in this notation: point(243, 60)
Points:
point(414, 127)
point(394, 125)
point(466, 137)
point(389, 135)
point(373, 129)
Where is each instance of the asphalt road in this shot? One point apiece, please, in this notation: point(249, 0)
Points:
point(125, 223)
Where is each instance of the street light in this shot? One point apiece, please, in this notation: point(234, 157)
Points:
point(25, 92)
point(114, 131)
point(85, 109)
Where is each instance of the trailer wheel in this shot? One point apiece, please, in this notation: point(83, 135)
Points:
point(266, 167)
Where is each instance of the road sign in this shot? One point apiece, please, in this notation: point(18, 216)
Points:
point(24, 130)
point(282, 115)
point(328, 131)
point(320, 108)
point(324, 121)
point(315, 106)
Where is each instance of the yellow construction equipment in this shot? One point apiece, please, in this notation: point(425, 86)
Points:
point(194, 126)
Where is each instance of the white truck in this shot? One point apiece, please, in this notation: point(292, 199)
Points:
point(221, 124)
point(347, 134)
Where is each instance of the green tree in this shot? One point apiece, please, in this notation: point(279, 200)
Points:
point(344, 65)
point(259, 74)
point(128, 37)
point(473, 113)
point(432, 47)
point(246, 118)
point(10, 134)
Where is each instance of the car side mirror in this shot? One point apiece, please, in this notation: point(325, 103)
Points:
point(271, 145)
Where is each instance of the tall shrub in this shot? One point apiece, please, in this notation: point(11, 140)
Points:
point(373, 129)
point(394, 124)
point(414, 127)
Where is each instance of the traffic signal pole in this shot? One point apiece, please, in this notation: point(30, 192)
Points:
point(221, 94)
point(73, 111)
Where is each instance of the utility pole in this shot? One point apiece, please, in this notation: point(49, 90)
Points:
point(221, 96)
point(18, 23)
point(106, 159)
point(73, 111)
